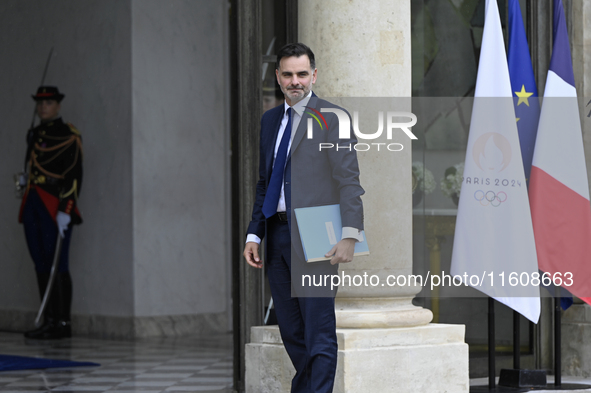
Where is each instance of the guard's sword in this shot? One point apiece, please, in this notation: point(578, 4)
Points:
point(56, 258)
point(42, 82)
point(58, 243)
point(20, 189)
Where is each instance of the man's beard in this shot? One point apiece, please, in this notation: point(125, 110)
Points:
point(295, 95)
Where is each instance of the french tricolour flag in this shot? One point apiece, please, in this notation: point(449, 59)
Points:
point(558, 189)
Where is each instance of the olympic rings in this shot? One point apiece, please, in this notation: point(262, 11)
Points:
point(490, 198)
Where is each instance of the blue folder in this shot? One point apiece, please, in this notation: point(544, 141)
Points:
point(320, 229)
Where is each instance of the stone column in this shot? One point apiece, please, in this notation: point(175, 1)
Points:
point(386, 344)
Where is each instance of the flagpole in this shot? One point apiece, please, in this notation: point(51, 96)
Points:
point(557, 340)
point(516, 341)
point(491, 343)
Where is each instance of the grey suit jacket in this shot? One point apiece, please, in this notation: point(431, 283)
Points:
point(313, 177)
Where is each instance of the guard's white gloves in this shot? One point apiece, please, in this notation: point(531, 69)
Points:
point(63, 219)
point(22, 179)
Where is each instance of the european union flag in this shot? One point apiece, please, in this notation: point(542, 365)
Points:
point(523, 85)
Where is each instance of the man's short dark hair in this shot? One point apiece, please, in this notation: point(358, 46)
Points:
point(298, 49)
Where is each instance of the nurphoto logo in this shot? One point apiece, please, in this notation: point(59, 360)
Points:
point(392, 123)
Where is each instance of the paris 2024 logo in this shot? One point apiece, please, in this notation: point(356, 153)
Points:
point(492, 154)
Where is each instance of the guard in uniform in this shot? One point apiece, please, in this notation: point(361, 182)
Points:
point(53, 177)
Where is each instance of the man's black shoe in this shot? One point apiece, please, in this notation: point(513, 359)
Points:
point(51, 330)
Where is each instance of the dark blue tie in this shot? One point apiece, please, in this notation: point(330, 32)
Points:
point(274, 187)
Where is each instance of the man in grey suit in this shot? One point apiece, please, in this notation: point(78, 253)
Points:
point(294, 172)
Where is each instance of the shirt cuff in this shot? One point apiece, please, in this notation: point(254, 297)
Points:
point(251, 237)
point(352, 233)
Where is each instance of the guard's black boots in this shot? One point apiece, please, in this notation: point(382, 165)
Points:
point(50, 330)
point(57, 313)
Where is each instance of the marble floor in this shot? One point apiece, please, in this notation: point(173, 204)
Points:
point(187, 364)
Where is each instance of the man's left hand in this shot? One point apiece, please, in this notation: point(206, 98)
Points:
point(342, 252)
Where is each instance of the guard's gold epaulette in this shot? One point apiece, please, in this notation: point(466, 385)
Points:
point(73, 129)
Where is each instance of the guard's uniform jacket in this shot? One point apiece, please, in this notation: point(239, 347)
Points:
point(54, 166)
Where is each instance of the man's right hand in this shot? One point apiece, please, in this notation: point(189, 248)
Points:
point(251, 254)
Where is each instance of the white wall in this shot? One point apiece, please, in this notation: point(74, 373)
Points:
point(181, 161)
